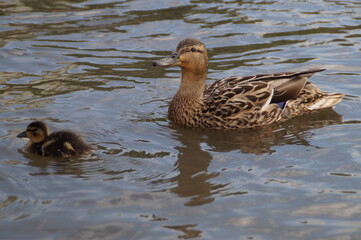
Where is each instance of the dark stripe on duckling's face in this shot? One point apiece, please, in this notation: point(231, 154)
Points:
point(37, 135)
point(29, 131)
point(34, 132)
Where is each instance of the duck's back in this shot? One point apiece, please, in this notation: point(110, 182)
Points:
point(243, 102)
point(65, 144)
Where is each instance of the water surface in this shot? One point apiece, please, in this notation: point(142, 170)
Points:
point(86, 66)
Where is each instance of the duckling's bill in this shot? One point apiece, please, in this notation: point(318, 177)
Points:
point(22, 135)
point(170, 60)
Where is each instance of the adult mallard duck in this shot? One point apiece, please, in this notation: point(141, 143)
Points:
point(238, 102)
point(57, 144)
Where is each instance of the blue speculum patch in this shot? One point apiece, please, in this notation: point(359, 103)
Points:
point(282, 104)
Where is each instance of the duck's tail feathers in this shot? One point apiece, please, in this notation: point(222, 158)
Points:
point(328, 100)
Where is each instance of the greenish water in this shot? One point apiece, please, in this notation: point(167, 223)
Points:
point(86, 66)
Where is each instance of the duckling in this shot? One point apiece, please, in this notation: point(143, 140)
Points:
point(57, 144)
point(238, 102)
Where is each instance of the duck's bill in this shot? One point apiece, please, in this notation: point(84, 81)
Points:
point(170, 60)
point(22, 135)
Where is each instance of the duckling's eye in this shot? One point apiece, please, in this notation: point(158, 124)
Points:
point(193, 49)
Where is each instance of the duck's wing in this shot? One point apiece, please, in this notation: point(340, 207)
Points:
point(245, 105)
point(228, 100)
point(285, 85)
point(247, 101)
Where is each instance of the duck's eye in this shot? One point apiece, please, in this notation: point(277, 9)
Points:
point(193, 49)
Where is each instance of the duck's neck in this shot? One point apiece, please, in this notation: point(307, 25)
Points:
point(192, 84)
point(185, 107)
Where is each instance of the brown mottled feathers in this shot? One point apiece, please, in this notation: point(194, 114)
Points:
point(286, 85)
point(238, 102)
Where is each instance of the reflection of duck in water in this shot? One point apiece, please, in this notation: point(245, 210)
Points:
point(296, 131)
point(238, 102)
point(56, 144)
point(194, 178)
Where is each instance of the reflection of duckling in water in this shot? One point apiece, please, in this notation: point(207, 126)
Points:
point(238, 102)
point(56, 144)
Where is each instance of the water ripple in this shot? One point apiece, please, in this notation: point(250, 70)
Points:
point(86, 66)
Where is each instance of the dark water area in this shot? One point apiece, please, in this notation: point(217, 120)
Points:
point(87, 66)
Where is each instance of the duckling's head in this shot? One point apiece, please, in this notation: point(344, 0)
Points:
point(36, 131)
point(190, 55)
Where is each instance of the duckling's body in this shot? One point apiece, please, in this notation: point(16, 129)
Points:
point(238, 102)
point(57, 144)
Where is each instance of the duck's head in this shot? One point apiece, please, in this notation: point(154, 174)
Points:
point(190, 55)
point(36, 131)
